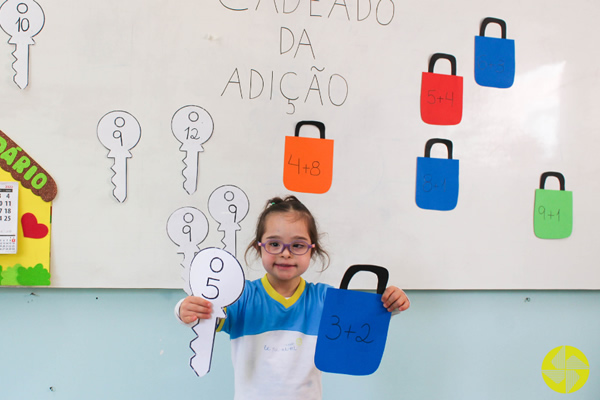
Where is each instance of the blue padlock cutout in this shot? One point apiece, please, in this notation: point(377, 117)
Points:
point(494, 58)
point(354, 327)
point(437, 179)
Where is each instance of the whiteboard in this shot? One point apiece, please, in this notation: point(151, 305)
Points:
point(241, 60)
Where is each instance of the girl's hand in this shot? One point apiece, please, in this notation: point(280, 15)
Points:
point(194, 308)
point(395, 299)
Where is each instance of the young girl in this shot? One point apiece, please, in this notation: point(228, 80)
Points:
point(274, 325)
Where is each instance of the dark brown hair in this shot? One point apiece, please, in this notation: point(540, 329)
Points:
point(286, 205)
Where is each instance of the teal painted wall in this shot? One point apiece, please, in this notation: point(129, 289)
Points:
point(88, 344)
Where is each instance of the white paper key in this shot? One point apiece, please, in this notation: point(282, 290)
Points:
point(22, 20)
point(192, 126)
point(217, 276)
point(187, 227)
point(119, 132)
point(228, 205)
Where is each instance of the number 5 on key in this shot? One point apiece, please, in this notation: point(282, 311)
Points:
point(217, 276)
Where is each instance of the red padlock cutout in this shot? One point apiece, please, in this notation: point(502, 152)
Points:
point(441, 95)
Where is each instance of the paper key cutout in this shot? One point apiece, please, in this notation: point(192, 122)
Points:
point(187, 227)
point(553, 209)
point(228, 205)
point(353, 328)
point(215, 275)
point(192, 126)
point(441, 94)
point(437, 179)
point(22, 20)
point(119, 132)
point(308, 162)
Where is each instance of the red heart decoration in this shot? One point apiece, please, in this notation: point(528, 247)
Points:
point(31, 228)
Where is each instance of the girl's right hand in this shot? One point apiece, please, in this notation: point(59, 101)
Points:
point(193, 308)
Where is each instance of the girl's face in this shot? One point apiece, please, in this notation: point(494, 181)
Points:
point(285, 268)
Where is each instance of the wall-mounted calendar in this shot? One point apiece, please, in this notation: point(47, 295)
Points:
point(9, 217)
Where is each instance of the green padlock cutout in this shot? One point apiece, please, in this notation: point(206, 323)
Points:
point(553, 210)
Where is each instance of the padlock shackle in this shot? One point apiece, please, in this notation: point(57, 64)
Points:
point(382, 275)
point(318, 124)
point(490, 20)
point(558, 175)
point(448, 57)
point(431, 142)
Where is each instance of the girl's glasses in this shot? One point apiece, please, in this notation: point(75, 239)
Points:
point(276, 246)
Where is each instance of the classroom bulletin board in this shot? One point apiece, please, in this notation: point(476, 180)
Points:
point(249, 71)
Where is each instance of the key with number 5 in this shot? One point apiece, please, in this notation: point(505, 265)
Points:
point(22, 20)
point(217, 276)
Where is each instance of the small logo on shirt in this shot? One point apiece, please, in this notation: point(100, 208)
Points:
point(293, 346)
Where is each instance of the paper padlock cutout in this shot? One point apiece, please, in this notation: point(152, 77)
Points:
point(354, 327)
point(553, 210)
point(441, 95)
point(308, 162)
point(494, 57)
point(437, 179)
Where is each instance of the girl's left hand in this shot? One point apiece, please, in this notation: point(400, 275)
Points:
point(395, 299)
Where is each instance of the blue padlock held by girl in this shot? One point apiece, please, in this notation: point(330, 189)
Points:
point(494, 57)
point(437, 179)
point(354, 327)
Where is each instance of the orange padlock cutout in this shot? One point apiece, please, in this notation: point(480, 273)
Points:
point(308, 162)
